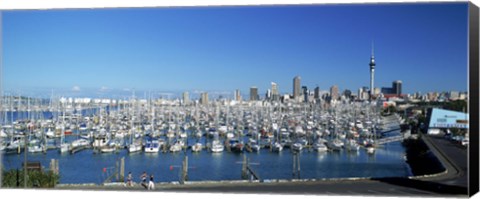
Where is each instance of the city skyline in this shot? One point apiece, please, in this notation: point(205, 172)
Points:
point(166, 49)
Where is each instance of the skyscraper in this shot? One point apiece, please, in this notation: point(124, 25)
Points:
point(372, 72)
point(296, 87)
point(238, 96)
point(254, 93)
point(186, 99)
point(305, 93)
point(317, 93)
point(275, 94)
point(334, 92)
point(204, 98)
point(397, 87)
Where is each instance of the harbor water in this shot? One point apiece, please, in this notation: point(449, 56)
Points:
point(86, 166)
point(89, 167)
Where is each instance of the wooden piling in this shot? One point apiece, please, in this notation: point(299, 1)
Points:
point(294, 164)
point(122, 169)
point(244, 167)
point(298, 166)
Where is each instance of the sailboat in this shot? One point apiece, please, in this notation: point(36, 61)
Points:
point(197, 147)
point(217, 146)
point(152, 145)
point(320, 146)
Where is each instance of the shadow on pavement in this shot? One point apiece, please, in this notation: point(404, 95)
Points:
point(425, 185)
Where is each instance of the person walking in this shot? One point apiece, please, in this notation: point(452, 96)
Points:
point(144, 179)
point(129, 179)
point(151, 183)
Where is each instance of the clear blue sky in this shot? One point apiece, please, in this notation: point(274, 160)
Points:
point(228, 48)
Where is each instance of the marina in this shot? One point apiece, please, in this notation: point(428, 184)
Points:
point(347, 140)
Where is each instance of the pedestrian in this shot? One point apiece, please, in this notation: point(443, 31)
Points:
point(144, 179)
point(151, 184)
point(129, 179)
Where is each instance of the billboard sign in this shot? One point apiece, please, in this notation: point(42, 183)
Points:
point(441, 118)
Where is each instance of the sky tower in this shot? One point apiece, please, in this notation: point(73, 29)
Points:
point(372, 72)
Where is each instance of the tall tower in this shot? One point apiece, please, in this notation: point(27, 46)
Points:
point(372, 73)
point(204, 98)
point(186, 98)
point(334, 92)
point(275, 94)
point(238, 96)
point(397, 87)
point(296, 87)
point(254, 93)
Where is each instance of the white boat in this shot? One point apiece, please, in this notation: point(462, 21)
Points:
point(198, 134)
point(134, 147)
point(183, 135)
point(80, 143)
point(108, 149)
point(335, 144)
point(34, 146)
point(3, 135)
point(170, 134)
point(152, 146)
point(64, 147)
point(320, 146)
point(370, 150)
point(230, 135)
point(197, 147)
point(50, 133)
point(100, 141)
point(277, 147)
point(217, 146)
point(253, 145)
point(351, 145)
point(35, 149)
point(177, 146)
point(297, 147)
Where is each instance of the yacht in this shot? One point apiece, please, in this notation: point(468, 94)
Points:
point(152, 145)
point(335, 144)
point(277, 147)
point(217, 146)
point(177, 146)
point(197, 147)
point(320, 146)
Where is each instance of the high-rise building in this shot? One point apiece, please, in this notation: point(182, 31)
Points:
point(186, 98)
point(397, 87)
point(360, 94)
point(305, 93)
point(254, 93)
point(268, 95)
point(334, 92)
point(347, 93)
point(316, 94)
point(238, 96)
point(296, 87)
point(204, 98)
point(372, 72)
point(275, 94)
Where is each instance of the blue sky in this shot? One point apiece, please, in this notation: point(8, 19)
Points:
point(226, 48)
